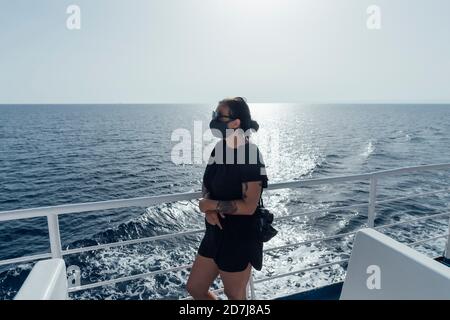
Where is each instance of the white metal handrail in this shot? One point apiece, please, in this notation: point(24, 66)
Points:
point(53, 212)
point(127, 278)
point(413, 196)
point(131, 242)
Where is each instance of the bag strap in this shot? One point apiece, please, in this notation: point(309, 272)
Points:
point(261, 202)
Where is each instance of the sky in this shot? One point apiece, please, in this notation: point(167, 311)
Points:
point(200, 51)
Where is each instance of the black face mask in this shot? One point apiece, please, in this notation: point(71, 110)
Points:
point(220, 129)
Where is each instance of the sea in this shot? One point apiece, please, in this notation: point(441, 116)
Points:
point(64, 154)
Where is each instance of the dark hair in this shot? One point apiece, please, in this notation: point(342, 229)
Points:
point(239, 109)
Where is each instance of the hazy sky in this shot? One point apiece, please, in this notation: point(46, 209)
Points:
point(203, 50)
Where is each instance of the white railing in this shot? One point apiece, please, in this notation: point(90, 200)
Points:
point(53, 212)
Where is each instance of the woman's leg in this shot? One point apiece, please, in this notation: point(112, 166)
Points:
point(235, 283)
point(203, 273)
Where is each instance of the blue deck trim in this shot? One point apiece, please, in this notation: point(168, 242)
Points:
point(330, 292)
point(444, 261)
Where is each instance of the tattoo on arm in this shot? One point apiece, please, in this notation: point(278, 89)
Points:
point(226, 207)
point(245, 189)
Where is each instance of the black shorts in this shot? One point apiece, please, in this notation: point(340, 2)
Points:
point(234, 247)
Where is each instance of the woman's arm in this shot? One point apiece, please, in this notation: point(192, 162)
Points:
point(211, 216)
point(251, 191)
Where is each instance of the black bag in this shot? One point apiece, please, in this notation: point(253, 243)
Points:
point(264, 222)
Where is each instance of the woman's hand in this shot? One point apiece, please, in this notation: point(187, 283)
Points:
point(212, 217)
point(251, 192)
point(207, 205)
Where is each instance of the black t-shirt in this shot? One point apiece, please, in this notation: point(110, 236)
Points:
point(228, 168)
point(237, 244)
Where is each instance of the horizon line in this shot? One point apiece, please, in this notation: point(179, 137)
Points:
point(207, 103)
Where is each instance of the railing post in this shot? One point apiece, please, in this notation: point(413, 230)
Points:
point(251, 285)
point(447, 248)
point(372, 200)
point(55, 238)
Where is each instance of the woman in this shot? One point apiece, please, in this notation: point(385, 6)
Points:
point(232, 186)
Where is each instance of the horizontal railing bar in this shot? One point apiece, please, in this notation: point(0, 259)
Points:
point(95, 206)
point(127, 278)
point(426, 240)
point(162, 237)
point(412, 196)
point(411, 169)
point(313, 182)
point(433, 216)
point(148, 239)
point(299, 271)
point(137, 241)
point(167, 236)
point(26, 259)
point(131, 242)
point(153, 273)
point(321, 211)
point(364, 176)
point(311, 241)
point(152, 200)
point(353, 232)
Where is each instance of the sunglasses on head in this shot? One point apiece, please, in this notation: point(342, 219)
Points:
point(217, 115)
